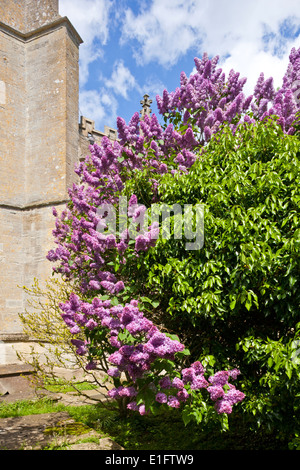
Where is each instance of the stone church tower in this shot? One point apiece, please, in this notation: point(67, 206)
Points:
point(40, 142)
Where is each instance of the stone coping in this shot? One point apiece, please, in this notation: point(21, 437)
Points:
point(43, 30)
point(11, 370)
point(15, 338)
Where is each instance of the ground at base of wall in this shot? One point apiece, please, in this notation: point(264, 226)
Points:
point(51, 431)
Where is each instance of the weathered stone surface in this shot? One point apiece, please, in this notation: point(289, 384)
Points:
point(16, 380)
point(36, 432)
point(16, 386)
point(12, 370)
point(26, 237)
point(20, 432)
point(106, 443)
point(86, 446)
point(27, 15)
point(40, 143)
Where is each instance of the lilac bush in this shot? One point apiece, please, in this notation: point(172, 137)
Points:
point(117, 336)
point(139, 351)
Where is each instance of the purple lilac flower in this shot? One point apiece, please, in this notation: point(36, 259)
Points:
point(219, 378)
point(139, 357)
point(107, 276)
point(234, 373)
point(117, 358)
point(127, 392)
point(160, 345)
point(234, 396)
point(141, 243)
point(165, 382)
point(80, 318)
point(188, 375)
point(161, 397)
point(198, 382)
point(173, 401)
point(91, 365)
point(113, 393)
point(119, 286)
point(198, 367)
point(81, 346)
point(113, 372)
point(178, 383)
point(215, 392)
point(91, 324)
point(138, 326)
point(108, 286)
point(182, 395)
point(142, 410)
point(133, 406)
point(115, 342)
point(75, 330)
point(223, 406)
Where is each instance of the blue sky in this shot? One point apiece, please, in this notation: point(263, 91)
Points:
point(134, 47)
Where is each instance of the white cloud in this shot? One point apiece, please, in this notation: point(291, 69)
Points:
point(153, 86)
point(236, 31)
point(100, 106)
point(165, 31)
point(251, 64)
point(250, 37)
point(91, 20)
point(122, 81)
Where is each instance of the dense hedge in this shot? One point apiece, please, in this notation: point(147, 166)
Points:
point(150, 307)
point(236, 300)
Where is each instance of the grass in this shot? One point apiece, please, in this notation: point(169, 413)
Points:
point(161, 432)
point(29, 407)
point(64, 387)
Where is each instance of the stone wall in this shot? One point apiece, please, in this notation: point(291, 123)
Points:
point(28, 15)
point(39, 142)
point(52, 115)
point(12, 118)
point(88, 135)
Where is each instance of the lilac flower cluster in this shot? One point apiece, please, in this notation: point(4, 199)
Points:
point(216, 100)
point(83, 250)
point(225, 399)
point(209, 94)
point(136, 360)
point(195, 379)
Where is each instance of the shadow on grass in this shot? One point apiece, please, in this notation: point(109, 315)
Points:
point(161, 432)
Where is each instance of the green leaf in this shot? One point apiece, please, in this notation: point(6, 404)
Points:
point(186, 416)
point(185, 352)
point(270, 362)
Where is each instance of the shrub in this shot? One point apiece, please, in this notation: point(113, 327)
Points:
point(244, 173)
point(237, 298)
point(54, 353)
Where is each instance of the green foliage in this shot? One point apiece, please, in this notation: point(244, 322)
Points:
point(235, 302)
point(29, 407)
